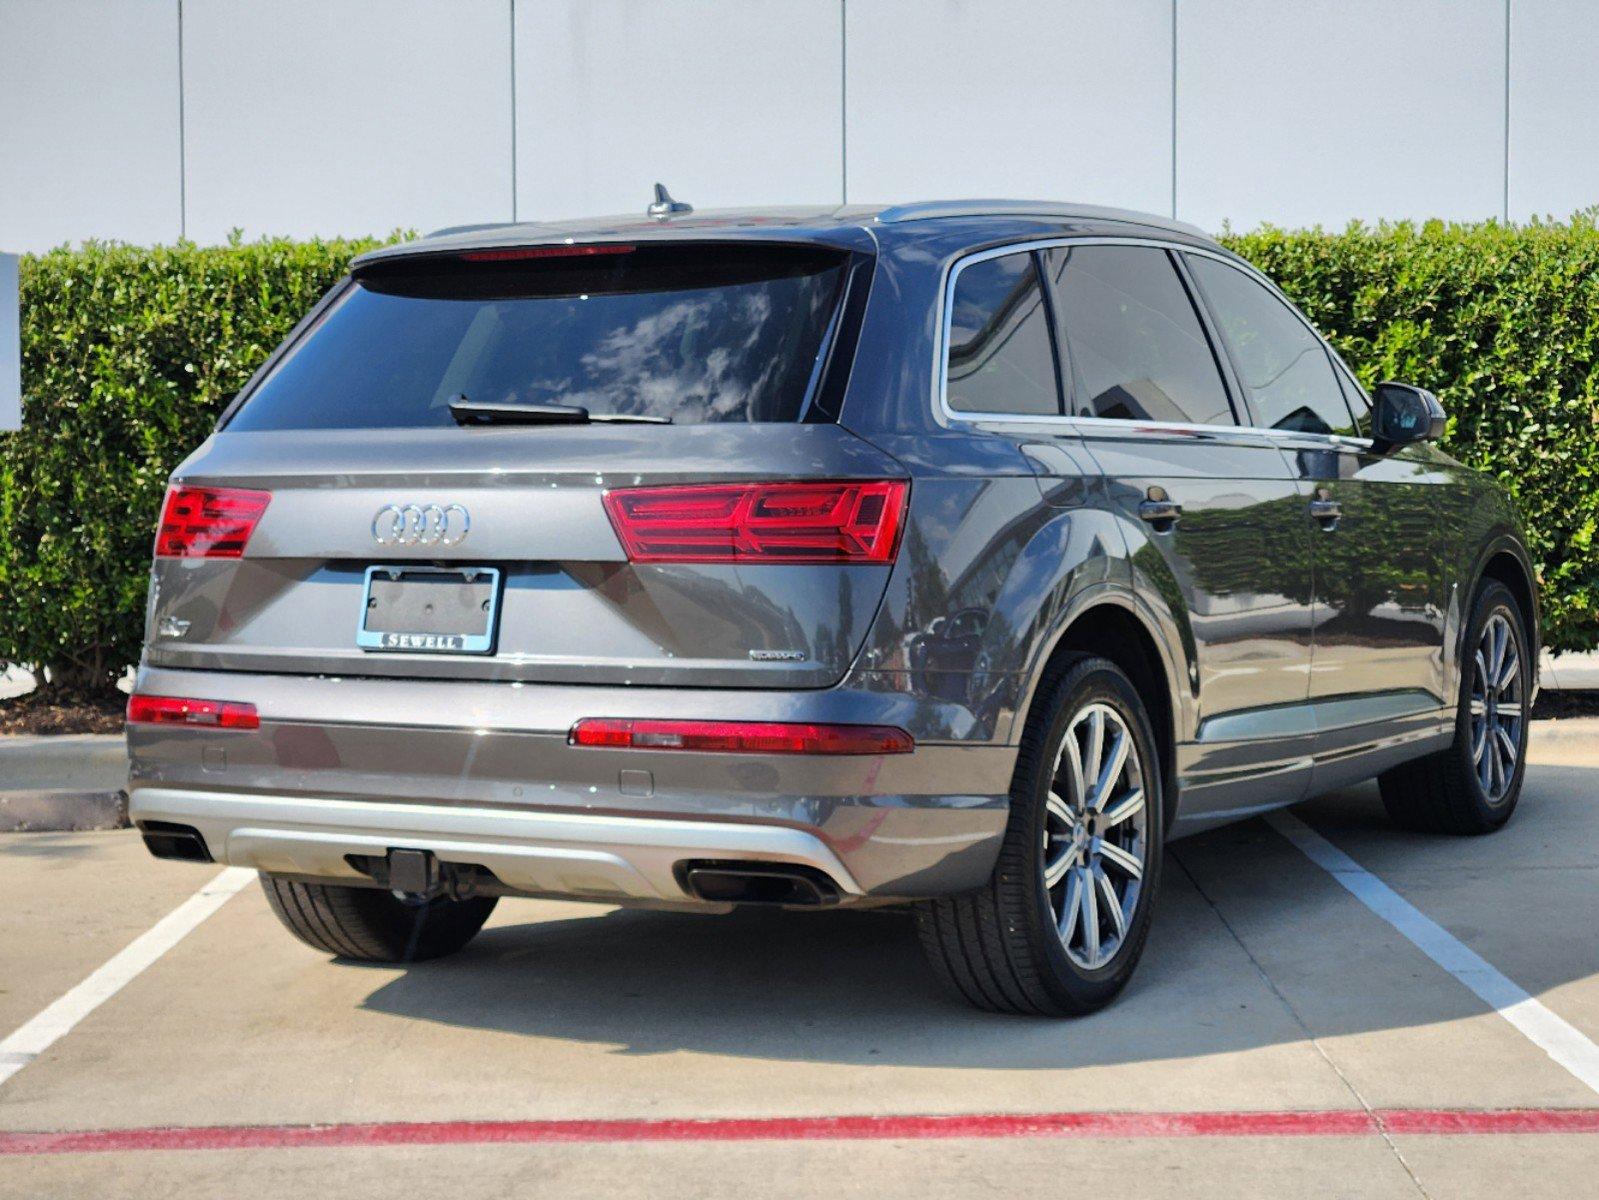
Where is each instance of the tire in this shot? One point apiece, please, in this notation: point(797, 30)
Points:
point(1457, 790)
point(1000, 947)
point(372, 925)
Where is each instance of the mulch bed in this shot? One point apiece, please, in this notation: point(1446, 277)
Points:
point(1566, 702)
point(46, 713)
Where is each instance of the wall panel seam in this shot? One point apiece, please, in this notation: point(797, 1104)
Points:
point(183, 140)
point(1174, 109)
point(514, 180)
point(843, 101)
point(1506, 215)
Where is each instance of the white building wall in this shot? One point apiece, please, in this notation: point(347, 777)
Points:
point(1367, 108)
point(728, 103)
point(147, 120)
point(89, 144)
point(1554, 107)
point(1066, 100)
point(344, 116)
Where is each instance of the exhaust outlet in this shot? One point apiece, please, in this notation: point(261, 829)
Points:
point(165, 839)
point(787, 884)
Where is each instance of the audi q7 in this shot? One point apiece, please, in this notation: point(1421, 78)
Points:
point(952, 555)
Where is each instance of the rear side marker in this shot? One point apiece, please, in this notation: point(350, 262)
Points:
point(201, 714)
point(740, 737)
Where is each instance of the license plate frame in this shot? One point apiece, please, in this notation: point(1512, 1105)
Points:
point(399, 641)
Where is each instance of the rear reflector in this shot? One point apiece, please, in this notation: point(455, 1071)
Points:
point(821, 522)
point(741, 737)
point(175, 710)
point(199, 522)
point(526, 252)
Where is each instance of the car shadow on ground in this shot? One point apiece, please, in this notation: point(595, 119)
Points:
point(44, 845)
point(1251, 943)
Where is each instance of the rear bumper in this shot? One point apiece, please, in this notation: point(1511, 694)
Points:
point(331, 773)
point(616, 859)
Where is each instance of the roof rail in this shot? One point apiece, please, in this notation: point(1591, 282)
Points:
point(927, 210)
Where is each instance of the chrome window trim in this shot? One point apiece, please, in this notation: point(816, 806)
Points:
point(1111, 425)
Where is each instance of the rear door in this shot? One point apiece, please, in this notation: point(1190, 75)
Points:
point(1379, 607)
point(692, 518)
point(1216, 519)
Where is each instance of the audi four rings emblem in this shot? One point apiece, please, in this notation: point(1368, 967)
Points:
point(421, 525)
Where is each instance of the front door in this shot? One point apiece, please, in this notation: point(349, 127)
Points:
point(1215, 525)
point(1377, 666)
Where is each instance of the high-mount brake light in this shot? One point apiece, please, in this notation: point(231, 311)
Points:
point(204, 714)
point(203, 522)
point(740, 737)
point(825, 521)
point(520, 253)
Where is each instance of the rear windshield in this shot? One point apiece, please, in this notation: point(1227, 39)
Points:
point(693, 333)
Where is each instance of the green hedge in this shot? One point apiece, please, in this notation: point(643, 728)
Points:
point(1503, 323)
point(128, 354)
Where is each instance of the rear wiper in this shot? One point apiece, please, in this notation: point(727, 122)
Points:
point(629, 419)
point(467, 412)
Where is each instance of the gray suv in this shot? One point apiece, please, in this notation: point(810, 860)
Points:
point(953, 555)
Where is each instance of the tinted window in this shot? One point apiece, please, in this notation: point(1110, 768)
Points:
point(1355, 396)
point(1000, 359)
point(1134, 345)
point(695, 334)
point(1283, 365)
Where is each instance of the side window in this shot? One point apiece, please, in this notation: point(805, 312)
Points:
point(1359, 403)
point(999, 358)
point(1133, 344)
point(1282, 364)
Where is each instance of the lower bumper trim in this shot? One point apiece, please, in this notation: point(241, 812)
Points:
point(581, 856)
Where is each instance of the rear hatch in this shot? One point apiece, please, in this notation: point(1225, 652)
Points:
point(597, 464)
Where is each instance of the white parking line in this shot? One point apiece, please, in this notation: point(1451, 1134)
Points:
point(1564, 1043)
point(39, 1034)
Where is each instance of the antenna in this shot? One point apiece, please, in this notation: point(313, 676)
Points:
point(665, 208)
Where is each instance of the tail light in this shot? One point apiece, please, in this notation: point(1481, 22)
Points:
point(822, 522)
point(200, 522)
point(175, 710)
point(740, 737)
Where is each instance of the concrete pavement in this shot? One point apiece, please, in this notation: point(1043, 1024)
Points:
point(1266, 986)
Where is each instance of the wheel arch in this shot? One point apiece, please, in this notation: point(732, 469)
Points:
point(1505, 560)
point(1112, 624)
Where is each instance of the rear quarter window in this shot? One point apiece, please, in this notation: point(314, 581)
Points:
point(999, 358)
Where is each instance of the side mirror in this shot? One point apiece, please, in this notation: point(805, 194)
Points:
point(1402, 415)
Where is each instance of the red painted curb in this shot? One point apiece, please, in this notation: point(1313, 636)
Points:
point(1319, 1123)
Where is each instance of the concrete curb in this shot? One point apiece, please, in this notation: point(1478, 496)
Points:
point(60, 812)
point(1565, 729)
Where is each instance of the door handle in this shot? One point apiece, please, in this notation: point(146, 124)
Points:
point(1162, 513)
point(1327, 511)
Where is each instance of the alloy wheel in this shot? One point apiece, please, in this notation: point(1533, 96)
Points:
point(1496, 716)
point(1095, 831)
